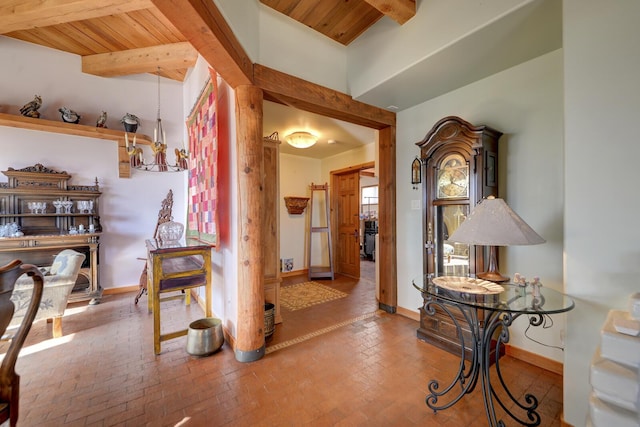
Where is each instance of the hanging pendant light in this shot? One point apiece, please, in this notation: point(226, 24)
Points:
point(159, 148)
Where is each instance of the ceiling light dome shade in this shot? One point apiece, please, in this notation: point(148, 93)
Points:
point(301, 139)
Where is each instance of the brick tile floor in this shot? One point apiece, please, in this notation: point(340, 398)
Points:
point(370, 372)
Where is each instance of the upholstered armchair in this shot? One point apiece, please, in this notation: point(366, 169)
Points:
point(59, 280)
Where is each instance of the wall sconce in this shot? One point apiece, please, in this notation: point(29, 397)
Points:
point(416, 172)
point(301, 139)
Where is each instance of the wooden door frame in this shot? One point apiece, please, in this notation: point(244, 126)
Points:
point(204, 26)
point(297, 93)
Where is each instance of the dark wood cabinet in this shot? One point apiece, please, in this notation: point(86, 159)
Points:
point(459, 168)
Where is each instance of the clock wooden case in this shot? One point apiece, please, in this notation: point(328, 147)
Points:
point(459, 168)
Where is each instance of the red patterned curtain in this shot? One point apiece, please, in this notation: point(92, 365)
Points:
point(202, 126)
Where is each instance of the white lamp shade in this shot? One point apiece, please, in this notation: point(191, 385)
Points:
point(494, 223)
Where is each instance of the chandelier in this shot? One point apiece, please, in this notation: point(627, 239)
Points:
point(159, 148)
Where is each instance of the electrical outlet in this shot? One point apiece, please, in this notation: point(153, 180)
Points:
point(562, 337)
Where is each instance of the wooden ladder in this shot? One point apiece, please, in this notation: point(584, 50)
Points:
point(322, 231)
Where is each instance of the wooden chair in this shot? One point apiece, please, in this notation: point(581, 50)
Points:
point(9, 380)
point(164, 215)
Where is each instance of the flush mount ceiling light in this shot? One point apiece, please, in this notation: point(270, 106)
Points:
point(301, 139)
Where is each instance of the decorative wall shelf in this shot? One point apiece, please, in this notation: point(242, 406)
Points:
point(295, 205)
point(124, 169)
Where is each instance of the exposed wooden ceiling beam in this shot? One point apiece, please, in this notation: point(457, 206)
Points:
point(142, 60)
point(27, 14)
point(298, 93)
point(202, 24)
point(398, 10)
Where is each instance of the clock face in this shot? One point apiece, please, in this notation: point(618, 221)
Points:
point(453, 177)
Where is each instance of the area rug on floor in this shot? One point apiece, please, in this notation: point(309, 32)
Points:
point(302, 295)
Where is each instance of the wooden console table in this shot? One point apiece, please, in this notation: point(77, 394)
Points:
point(176, 267)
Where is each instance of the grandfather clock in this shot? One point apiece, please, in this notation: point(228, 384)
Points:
point(459, 168)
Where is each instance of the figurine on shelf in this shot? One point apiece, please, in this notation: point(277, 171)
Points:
point(102, 120)
point(69, 116)
point(182, 158)
point(130, 122)
point(30, 109)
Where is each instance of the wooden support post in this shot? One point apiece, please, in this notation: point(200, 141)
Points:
point(387, 219)
point(250, 343)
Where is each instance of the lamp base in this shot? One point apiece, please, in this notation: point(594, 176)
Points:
point(492, 276)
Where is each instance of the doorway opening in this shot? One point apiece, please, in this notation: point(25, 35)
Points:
point(360, 286)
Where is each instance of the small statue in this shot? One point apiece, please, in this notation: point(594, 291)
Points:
point(69, 116)
point(130, 122)
point(102, 120)
point(30, 109)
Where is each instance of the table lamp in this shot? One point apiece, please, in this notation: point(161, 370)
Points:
point(493, 223)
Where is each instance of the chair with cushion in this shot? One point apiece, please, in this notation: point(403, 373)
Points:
point(9, 380)
point(59, 280)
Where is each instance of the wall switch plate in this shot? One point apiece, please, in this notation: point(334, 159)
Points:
point(415, 205)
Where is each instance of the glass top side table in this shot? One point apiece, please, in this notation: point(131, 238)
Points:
point(489, 309)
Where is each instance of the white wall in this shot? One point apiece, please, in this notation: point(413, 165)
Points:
point(602, 106)
point(437, 24)
point(525, 103)
point(128, 207)
point(296, 174)
point(357, 156)
point(288, 46)
point(244, 19)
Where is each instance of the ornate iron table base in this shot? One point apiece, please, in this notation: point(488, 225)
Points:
point(494, 333)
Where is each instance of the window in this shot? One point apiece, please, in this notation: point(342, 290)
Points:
point(369, 195)
point(369, 202)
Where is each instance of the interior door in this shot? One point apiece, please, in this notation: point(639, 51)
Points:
point(347, 196)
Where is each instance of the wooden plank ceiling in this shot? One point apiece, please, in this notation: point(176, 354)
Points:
point(122, 37)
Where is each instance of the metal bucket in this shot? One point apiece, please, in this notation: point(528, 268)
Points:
point(204, 336)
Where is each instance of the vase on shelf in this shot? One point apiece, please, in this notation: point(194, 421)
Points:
point(130, 122)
